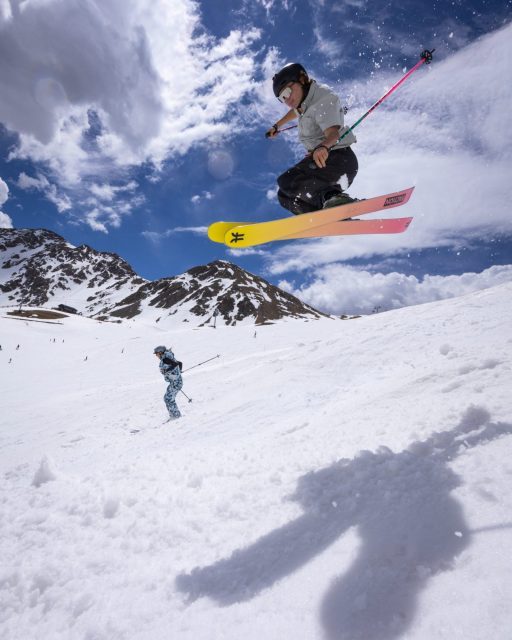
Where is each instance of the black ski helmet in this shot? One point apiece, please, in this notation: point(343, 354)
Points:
point(289, 73)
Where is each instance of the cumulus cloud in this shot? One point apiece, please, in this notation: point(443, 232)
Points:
point(95, 89)
point(90, 84)
point(339, 289)
point(75, 53)
point(5, 220)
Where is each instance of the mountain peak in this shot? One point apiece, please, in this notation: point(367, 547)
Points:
point(39, 268)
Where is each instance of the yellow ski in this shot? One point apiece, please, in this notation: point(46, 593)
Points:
point(248, 235)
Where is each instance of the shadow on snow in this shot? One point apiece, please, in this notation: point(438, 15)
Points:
point(410, 527)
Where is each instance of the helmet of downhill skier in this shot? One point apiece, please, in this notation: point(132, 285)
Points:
point(291, 72)
point(160, 349)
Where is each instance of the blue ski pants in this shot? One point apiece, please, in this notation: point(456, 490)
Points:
point(170, 396)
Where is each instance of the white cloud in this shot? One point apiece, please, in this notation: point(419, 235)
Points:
point(206, 195)
point(61, 201)
point(272, 194)
point(101, 216)
point(196, 230)
point(250, 251)
point(5, 220)
point(97, 89)
point(105, 208)
point(270, 5)
point(28, 182)
point(157, 236)
point(112, 72)
point(92, 220)
point(76, 53)
point(340, 289)
point(108, 192)
point(106, 205)
point(5, 11)
point(4, 192)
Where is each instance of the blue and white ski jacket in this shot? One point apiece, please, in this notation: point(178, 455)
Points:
point(171, 372)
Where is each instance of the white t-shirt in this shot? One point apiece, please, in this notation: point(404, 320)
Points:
point(321, 109)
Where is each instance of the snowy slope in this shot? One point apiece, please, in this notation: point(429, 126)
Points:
point(330, 480)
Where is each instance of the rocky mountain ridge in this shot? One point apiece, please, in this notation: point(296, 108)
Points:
point(39, 268)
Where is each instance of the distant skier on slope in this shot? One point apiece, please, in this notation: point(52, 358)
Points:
point(313, 183)
point(170, 368)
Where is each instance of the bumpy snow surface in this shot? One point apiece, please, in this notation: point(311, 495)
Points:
point(337, 480)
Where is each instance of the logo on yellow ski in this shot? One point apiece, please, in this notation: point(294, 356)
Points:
point(236, 237)
point(218, 230)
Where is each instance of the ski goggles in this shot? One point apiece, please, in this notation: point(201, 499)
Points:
point(285, 94)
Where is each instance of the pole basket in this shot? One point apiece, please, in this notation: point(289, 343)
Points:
point(427, 56)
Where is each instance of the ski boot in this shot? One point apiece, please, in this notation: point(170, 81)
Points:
point(336, 199)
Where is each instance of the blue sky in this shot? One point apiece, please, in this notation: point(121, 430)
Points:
point(132, 126)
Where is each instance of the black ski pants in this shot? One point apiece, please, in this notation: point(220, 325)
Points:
point(302, 188)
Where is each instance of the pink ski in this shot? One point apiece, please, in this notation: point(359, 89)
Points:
point(353, 227)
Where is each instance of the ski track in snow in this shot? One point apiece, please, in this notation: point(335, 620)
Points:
point(332, 480)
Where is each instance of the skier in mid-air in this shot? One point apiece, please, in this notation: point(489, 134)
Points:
point(171, 371)
point(314, 182)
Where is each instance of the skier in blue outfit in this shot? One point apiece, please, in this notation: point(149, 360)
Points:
point(170, 368)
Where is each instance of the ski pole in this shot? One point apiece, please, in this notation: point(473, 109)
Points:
point(200, 363)
point(189, 399)
point(294, 126)
point(425, 58)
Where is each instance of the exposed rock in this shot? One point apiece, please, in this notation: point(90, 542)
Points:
point(39, 268)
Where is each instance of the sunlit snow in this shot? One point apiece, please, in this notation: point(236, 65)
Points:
point(330, 480)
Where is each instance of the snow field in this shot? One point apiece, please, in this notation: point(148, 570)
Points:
point(337, 480)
